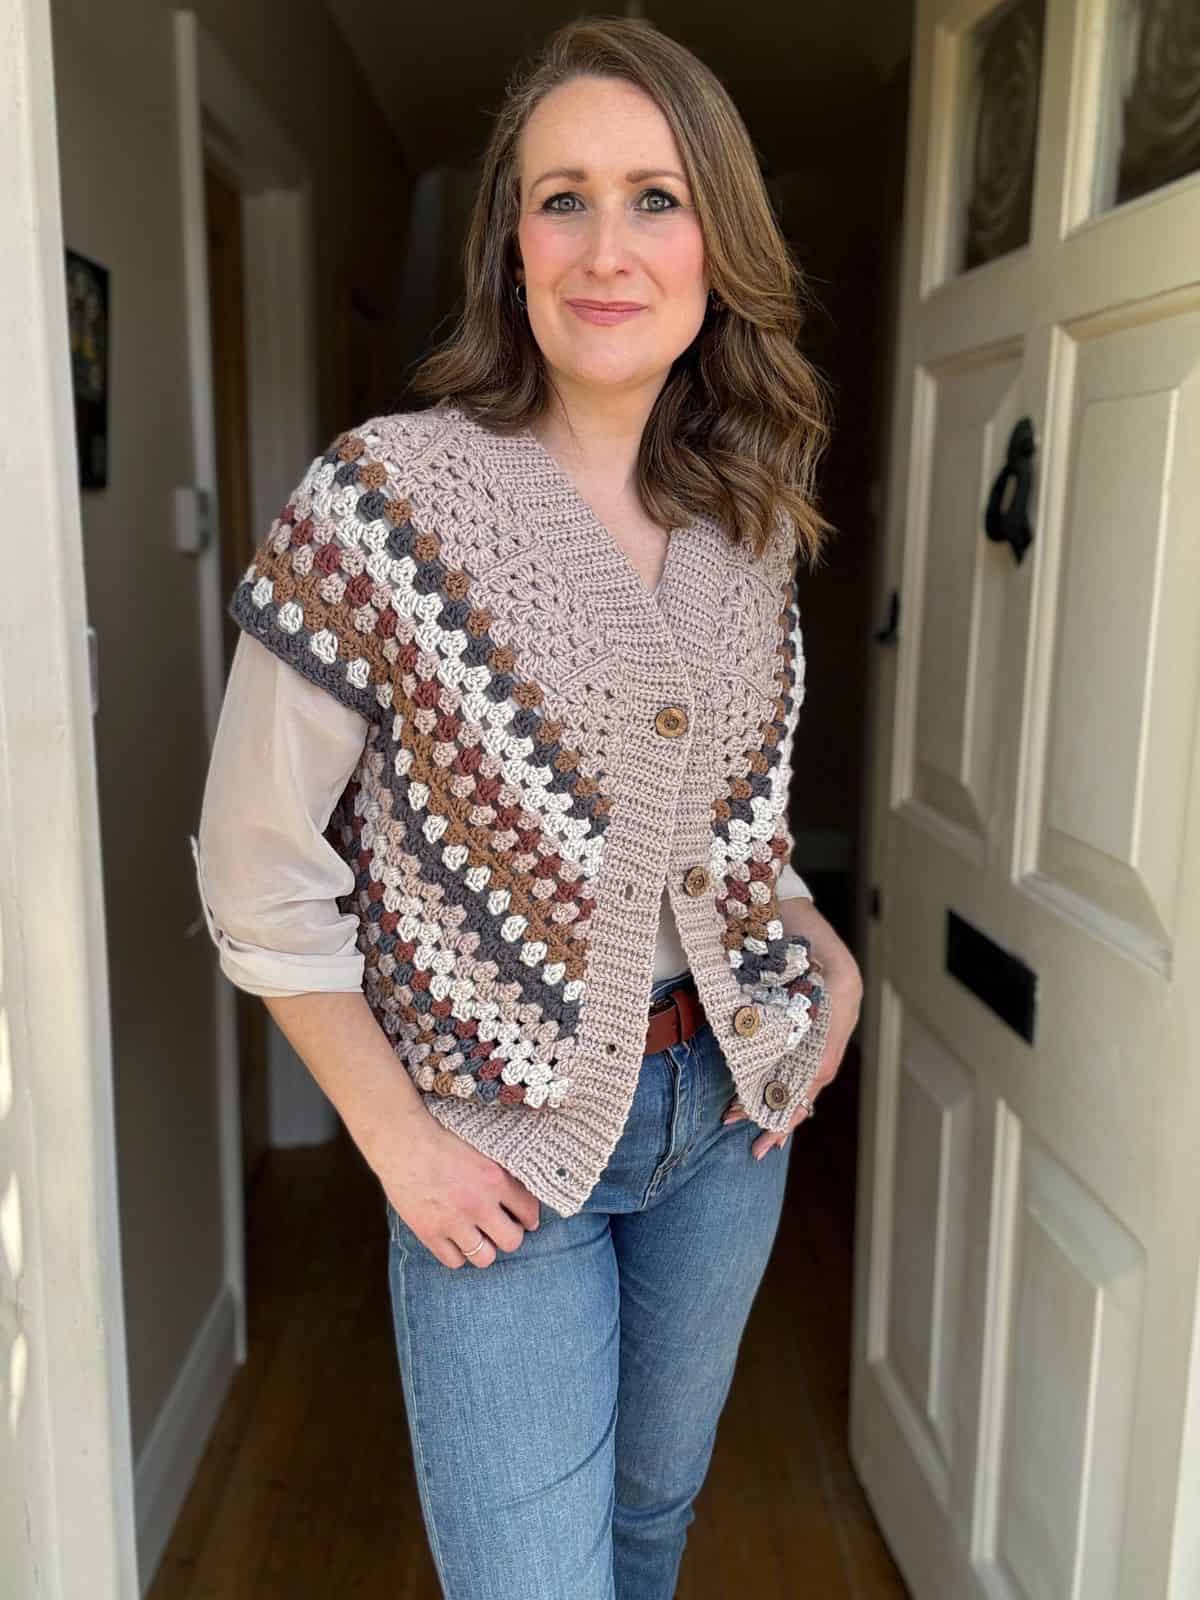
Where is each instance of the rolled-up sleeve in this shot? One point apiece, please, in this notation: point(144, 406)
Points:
point(790, 884)
point(268, 878)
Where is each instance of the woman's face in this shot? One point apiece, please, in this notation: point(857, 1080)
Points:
point(607, 216)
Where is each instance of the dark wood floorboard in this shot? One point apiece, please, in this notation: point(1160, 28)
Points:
point(306, 1491)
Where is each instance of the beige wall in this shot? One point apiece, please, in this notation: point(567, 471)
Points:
point(115, 77)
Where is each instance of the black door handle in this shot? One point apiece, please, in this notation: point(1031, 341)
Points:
point(890, 631)
point(1006, 519)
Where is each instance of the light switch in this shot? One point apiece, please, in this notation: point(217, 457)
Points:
point(93, 667)
point(193, 520)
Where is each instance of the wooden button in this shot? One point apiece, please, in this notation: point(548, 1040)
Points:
point(671, 721)
point(444, 1083)
point(745, 1021)
point(776, 1094)
point(696, 881)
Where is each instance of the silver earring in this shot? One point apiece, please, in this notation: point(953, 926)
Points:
point(521, 294)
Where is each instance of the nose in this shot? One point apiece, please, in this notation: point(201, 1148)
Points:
point(606, 248)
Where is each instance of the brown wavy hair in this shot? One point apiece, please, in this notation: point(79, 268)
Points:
point(742, 420)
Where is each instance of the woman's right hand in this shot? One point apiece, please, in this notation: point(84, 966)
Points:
point(449, 1193)
point(452, 1195)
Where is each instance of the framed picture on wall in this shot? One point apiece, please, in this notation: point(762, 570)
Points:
point(87, 322)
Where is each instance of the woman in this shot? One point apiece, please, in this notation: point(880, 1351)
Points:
point(507, 745)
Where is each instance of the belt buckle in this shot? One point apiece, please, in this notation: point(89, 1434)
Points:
point(662, 1003)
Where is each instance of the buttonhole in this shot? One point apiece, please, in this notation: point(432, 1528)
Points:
point(610, 1049)
point(629, 891)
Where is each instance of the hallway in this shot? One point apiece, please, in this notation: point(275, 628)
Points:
point(307, 1487)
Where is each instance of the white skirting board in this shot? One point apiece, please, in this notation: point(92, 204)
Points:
point(171, 1455)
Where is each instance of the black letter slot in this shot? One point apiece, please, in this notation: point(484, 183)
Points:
point(1002, 981)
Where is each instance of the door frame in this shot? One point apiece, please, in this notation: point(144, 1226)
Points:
point(65, 1447)
point(220, 115)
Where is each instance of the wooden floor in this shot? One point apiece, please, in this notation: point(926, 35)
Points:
point(307, 1491)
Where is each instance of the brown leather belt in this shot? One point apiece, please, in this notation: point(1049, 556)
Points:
point(674, 1017)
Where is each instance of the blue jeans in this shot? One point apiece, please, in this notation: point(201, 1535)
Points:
point(563, 1402)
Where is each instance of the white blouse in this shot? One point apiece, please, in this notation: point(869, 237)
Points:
point(268, 878)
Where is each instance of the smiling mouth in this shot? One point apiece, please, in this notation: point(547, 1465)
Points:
point(604, 311)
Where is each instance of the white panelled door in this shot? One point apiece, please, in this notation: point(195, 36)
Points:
point(1025, 1415)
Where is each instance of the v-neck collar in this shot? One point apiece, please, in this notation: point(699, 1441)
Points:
point(567, 485)
point(662, 634)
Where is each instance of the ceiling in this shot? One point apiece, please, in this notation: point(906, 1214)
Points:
point(796, 70)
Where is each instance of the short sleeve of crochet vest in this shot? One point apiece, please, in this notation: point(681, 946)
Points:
point(319, 592)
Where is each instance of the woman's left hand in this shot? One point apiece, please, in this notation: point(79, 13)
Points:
point(843, 985)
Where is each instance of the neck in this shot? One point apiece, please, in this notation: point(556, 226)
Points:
point(596, 435)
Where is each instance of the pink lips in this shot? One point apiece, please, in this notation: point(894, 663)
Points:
point(605, 312)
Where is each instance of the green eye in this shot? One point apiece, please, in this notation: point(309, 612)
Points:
point(549, 203)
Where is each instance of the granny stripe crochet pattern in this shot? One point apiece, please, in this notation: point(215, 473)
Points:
point(548, 742)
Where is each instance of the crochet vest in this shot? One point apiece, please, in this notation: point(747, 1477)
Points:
point(548, 743)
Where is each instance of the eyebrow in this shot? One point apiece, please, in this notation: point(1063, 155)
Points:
point(638, 175)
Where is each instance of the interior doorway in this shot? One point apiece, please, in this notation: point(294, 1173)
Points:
point(227, 322)
point(245, 205)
